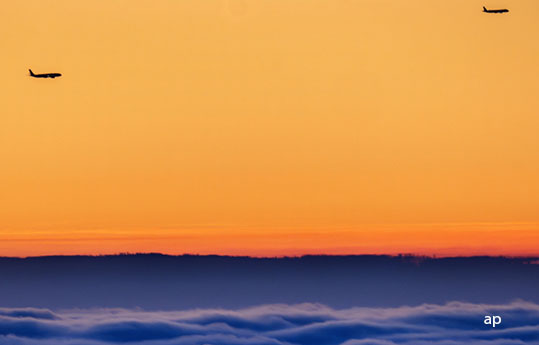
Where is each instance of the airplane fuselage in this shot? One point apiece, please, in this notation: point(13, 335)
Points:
point(503, 10)
point(45, 75)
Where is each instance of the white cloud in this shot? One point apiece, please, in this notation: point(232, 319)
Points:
point(305, 324)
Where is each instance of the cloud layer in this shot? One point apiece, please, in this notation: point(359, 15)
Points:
point(306, 324)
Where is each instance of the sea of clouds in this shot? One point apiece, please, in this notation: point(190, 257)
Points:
point(305, 324)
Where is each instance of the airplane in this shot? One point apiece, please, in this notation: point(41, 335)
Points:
point(44, 75)
point(504, 10)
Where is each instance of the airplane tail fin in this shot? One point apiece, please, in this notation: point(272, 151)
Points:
point(484, 9)
point(31, 73)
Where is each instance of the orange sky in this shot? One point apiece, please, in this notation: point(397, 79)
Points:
point(267, 127)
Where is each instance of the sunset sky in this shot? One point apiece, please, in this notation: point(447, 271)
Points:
point(269, 127)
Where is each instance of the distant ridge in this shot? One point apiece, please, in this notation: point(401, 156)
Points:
point(157, 254)
point(158, 281)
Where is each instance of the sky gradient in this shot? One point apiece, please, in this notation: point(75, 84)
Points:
point(269, 127)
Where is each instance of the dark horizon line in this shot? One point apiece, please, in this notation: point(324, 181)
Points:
point(166, 282)
point(400, 255)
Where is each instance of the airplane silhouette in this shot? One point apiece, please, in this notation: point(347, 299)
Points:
point(504, 10)
point(44, 75)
